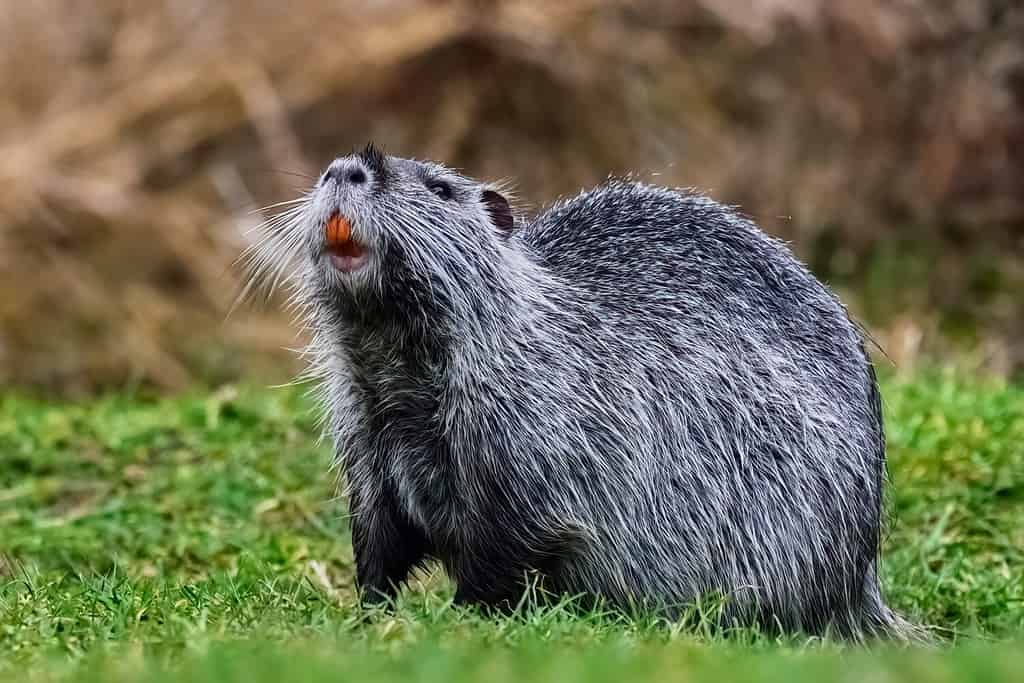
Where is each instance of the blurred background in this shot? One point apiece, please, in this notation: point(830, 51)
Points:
point(138, 139)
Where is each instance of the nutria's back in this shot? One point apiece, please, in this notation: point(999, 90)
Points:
point(681, 267)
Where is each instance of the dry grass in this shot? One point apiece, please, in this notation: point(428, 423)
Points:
point(139, 137)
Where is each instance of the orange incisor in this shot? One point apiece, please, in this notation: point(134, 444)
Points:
point(338, 230)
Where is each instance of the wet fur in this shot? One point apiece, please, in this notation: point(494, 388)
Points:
point(637, 395)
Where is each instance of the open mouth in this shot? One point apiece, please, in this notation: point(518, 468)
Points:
point(346, 254)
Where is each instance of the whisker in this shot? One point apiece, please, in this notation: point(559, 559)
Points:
point(272, 256)
point(286, 202)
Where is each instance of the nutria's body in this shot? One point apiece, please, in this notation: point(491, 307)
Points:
point(637, 395)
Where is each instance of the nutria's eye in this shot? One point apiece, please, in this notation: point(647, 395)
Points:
point(441, 189)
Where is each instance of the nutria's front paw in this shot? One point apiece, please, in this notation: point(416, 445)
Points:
point(386, 548)
point(376, 598)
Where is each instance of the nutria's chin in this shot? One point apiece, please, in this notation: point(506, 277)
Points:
point(349, 260)
point(637, 396)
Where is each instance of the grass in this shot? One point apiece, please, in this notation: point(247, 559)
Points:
point(198, 538)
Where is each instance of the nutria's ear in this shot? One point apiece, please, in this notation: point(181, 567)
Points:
point(499, 210)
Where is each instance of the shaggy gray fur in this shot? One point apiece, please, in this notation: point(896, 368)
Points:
point(637, 395)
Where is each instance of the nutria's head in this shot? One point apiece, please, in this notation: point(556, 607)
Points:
point(380, 237)
point(385, 232)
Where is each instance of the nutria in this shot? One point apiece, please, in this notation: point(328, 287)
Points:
point(636, 395)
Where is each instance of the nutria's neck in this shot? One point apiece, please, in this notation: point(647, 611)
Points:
point(467, 333)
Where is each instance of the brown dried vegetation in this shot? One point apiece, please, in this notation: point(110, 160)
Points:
point(137, 138)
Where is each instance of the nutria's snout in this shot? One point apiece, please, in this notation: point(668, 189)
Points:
point(345, 252)
point(346, 171)
point(346, 178)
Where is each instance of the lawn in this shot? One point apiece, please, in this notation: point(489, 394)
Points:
point(199, 538)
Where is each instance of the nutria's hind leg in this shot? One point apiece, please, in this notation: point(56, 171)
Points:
point(386, 547)
point(500, 578)
point(495, 583)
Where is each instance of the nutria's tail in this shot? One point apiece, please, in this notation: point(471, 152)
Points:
point(879, 621)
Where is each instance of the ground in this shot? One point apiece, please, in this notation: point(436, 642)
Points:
point(200, 538)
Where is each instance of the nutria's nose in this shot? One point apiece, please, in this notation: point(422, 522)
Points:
point(346, 172)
